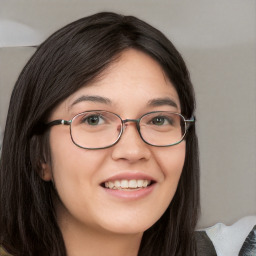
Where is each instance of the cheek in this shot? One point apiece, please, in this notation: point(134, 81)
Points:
point(171, 160)
point(73, 166)
point(75, 175)
point(67, 156)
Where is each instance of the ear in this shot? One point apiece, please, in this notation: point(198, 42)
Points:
point(46, 172)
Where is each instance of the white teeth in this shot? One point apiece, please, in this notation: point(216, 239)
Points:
point(110, 184)
point(127, 184)
point(132, 184)
point(145, 183)
point(124, 184)
point(117, 184)
point(139, 183)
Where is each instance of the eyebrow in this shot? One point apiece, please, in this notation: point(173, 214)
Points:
point(162, 102)
point(92, 98)
point(99, 99)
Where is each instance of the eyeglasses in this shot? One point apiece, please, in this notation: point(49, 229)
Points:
point(98, 129)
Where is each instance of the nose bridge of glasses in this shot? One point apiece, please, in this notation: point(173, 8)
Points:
point(136, 121)
point(126, 121)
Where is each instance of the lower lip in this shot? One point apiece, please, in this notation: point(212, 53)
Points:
point(131, 194)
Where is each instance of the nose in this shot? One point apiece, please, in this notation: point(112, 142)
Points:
point(131, 147)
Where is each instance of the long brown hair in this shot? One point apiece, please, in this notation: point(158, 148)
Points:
point(69, 59)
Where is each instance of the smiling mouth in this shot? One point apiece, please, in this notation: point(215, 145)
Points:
point(127, 184)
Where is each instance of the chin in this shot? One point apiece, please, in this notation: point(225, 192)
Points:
point(129, 227)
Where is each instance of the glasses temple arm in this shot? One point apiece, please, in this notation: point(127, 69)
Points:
point(190, 121)
point(57, 122)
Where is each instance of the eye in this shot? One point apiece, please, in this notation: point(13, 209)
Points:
point(93, 120)
point(161, 120)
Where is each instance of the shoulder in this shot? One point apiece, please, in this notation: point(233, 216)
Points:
point(237, 239)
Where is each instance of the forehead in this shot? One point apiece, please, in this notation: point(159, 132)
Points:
point(133, 79)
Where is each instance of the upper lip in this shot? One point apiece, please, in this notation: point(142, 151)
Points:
point(130, 176)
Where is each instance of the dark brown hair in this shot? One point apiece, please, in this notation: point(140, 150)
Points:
point(69, 59)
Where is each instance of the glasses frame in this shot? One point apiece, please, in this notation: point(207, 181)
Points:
point(188, 123)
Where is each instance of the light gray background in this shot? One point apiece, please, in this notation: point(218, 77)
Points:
point(217, 40)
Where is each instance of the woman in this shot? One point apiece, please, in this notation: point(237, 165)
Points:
point(100, 152)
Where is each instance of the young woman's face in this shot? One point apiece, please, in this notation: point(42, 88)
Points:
point(130, 86)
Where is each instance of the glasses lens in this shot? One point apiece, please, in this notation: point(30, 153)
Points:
point(162, 128)
point(95, 129)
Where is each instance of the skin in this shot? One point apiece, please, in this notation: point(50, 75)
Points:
point(92, 221)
